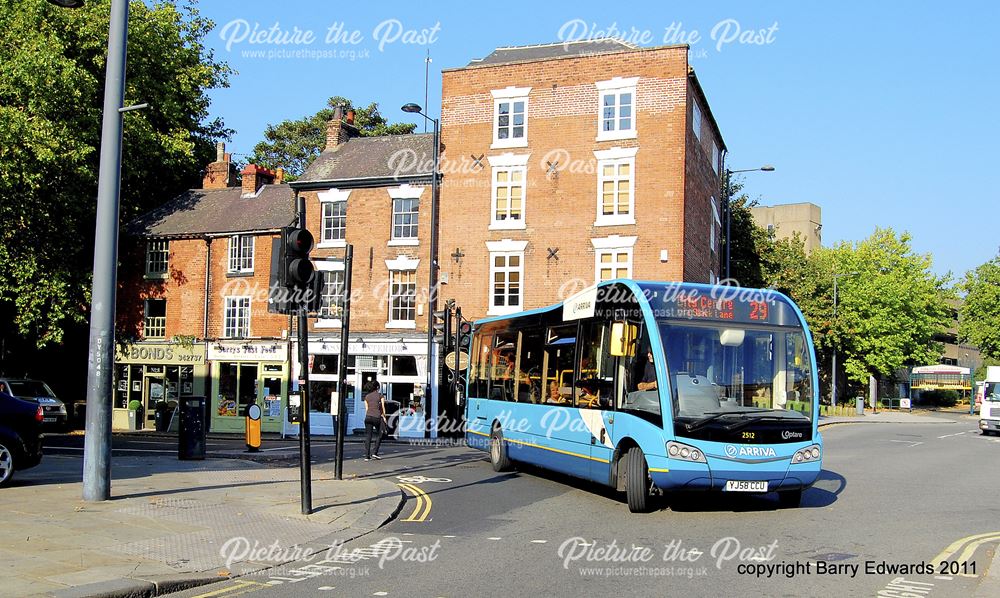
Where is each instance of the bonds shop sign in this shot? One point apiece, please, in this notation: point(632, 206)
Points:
point(162, 353)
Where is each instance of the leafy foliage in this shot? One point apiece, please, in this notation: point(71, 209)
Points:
point(51, 96)
point(979, 319)
point(294, 144)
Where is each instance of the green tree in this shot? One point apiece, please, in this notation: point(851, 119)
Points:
point(51, 87)
point(294, 144)
point(890, 311)
point(979, 316)
point(749, 244)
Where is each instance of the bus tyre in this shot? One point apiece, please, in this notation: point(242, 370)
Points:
point(790, 498)
point(498, 451)
point(637, 482)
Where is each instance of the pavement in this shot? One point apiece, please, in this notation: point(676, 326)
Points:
point(168, 523)
point(897, 417)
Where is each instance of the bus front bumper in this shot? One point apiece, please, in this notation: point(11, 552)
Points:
point(780, 475)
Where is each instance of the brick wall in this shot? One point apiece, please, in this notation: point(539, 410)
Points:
point(701, 184)
point(369, 229)
point(561, 208)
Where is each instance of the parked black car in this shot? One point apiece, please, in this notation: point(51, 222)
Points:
point(20, 435)
point(56, 416)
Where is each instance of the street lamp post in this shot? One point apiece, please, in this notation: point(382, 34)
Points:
point(97, 441)
point(726, 191)
point(432, 280)
point(833, 365)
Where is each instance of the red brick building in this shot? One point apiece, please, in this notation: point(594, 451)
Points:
point(374, 193)
point(562, 165)
point(566, 164)
point(193, 297)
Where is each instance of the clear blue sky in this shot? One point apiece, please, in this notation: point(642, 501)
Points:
point(884, 114)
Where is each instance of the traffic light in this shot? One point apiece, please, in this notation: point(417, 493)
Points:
point(460, 357)
point(297, 270)
point(442, 324)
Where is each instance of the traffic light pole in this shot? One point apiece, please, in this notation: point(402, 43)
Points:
point(345, 327)
point(305, 457)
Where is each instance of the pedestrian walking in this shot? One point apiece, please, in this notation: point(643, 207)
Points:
point(374, 418)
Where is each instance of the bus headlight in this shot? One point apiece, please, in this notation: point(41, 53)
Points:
point(684, 452)
point(806, 455)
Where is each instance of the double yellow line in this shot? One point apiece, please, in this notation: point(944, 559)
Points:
point(971, 543)
point(424, 502)
point(240, 586)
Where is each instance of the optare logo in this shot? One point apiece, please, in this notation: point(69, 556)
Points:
point(749, 451)
point(788, 434)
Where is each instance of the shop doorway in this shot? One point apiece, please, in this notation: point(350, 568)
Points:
point(247, 387)
point(152, 394)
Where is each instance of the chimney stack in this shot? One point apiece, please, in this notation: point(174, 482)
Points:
point(255, 177)
point(221, 173)
point(338, 131)
point(279, 176)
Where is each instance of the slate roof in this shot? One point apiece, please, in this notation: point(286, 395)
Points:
point(511, 54)
point(212, 211)
point(366, 158)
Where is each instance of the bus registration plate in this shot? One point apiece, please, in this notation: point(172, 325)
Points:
point(746, 486)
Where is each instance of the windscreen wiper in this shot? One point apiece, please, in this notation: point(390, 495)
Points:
point(700, 423)
point(749, 420)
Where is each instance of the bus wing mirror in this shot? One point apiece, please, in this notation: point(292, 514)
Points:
point(623, 339)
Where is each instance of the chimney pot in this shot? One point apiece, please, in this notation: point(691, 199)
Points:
point(220, 151)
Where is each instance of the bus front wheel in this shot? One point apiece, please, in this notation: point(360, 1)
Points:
point(637, 482)
point(498, 451)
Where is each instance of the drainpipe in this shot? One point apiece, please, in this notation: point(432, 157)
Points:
point(208, 278)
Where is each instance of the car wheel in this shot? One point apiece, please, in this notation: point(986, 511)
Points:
point(637, 482)
point(6, 464)
point(498, 451)
point(790, 498)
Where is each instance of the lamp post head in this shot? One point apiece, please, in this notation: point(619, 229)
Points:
point(767, 168)
point(67, 3)
point(411, 107)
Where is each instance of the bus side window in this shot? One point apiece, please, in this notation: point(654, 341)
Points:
point(560, 349)
point(481, 367)
point(502, 366)
point(529, 388)
point(596, 366)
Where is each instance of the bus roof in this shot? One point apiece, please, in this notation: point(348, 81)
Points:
point(687, 301)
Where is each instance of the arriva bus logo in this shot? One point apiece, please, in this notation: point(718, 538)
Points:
point(749, 451)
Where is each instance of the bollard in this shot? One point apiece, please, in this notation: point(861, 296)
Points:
point(253, 428)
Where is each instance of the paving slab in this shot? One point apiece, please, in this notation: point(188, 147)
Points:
point(170, 523)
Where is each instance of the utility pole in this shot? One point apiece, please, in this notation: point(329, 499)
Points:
point(345, 328)
point(305, 456)
point(97, 441)
point(833, 359)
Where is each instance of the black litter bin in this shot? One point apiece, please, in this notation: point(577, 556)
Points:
point(161, 419)
point(191, 432)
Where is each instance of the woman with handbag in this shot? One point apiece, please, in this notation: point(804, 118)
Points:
point(374, 418)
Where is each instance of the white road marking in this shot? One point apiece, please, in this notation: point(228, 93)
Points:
point(539, 541)
point(944, 577)
point(909, 442)
point(950, 435)
point(494, 538)
point(380, 594)
point(447, 536)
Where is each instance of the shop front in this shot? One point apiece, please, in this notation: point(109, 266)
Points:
point(398, 364)
point(154, 376)
point(248, 373)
